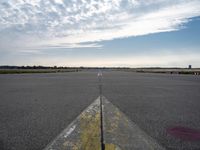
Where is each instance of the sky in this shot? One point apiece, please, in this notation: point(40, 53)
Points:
point(112, 33)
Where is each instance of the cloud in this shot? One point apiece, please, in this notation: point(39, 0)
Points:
point(40, 23)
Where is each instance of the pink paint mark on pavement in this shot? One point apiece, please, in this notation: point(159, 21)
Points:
point(184, 133)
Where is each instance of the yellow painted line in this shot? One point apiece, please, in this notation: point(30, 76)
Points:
point(83, 133)
point(90, 132)
point(111, 147)
point(120, 133)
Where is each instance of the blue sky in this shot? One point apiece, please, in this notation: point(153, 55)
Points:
point(129, 33)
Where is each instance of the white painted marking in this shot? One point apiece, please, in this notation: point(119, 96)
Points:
point(99, 74)
point(69, 131)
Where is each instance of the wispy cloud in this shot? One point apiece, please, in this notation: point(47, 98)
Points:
point(40, 23)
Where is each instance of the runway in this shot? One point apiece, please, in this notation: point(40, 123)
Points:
point(35, 108)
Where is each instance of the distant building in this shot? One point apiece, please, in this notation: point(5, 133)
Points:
point(190, 67)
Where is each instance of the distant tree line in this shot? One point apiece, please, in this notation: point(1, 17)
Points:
point(34, 67)
point(57, 67)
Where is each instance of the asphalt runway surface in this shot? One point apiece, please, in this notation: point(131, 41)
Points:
point(35, 108)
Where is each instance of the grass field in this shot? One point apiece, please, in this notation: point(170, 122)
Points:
point(19, 71)
point(195, 71)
